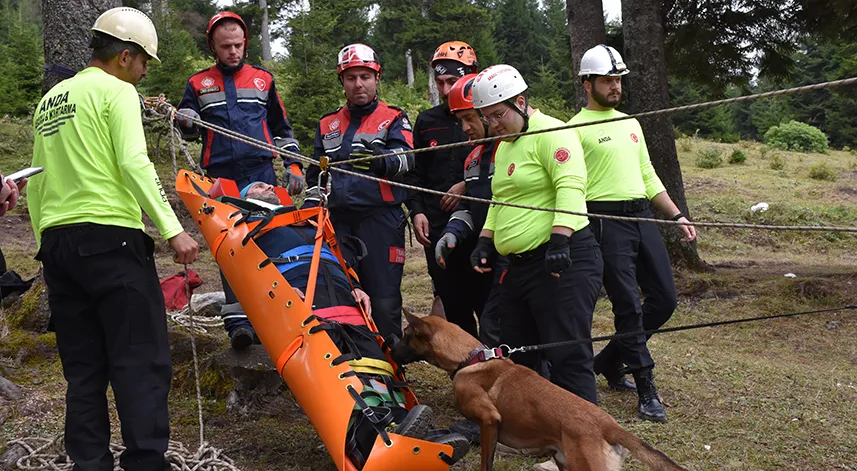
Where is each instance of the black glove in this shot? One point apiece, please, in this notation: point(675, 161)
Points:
point(557, 256)
point(484, 249)
point(378, 166)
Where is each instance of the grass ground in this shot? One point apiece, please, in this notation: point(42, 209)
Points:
point(775, 395)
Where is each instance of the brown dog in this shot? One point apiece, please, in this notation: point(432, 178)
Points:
point(521, 409)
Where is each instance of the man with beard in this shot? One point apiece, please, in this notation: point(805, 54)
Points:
point(244, 99)
point(623, 182)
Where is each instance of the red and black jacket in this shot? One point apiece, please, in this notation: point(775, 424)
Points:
point(438, 170)
point(246, 102)
point(340, 133)
point(469, 216)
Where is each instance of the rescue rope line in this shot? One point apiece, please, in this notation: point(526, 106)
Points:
point(645, 114)
point(605, 216)
point(49, 454)
point(201, 324)
point(167, 111)
point(567, 343)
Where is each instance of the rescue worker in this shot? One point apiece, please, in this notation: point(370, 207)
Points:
point(623, 182)
point(103, 290)
point(460, 289)
point(242, 98)
point(364, 208)
point(554, 275)
point(463, 227)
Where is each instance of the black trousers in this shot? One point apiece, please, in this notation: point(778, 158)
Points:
point(635, 260)
point(538, 308)
point(108, 310)
point(381, 270)
point(489, 320)
point(462, 290)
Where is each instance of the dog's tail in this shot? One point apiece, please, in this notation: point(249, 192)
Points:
point(641, 450)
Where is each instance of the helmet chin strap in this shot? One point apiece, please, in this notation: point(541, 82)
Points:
point(523, 114)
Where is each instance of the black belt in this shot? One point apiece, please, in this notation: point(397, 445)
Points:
point(630, 206)
point(68, 226)
point(539, 252)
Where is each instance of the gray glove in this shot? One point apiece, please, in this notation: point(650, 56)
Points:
point(294, 184)
point(184, 115)
point(444, 247)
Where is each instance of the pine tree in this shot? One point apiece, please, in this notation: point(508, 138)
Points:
point(20, 57)
point(520, 36)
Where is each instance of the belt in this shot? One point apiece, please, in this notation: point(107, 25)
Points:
point(68, 226)
point(630, 206)
point(516, 258)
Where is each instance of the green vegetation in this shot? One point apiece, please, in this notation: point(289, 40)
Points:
point(709, 158)
point(798, 137)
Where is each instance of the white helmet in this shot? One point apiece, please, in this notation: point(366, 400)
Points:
point(131, 25)
point(602, 60)
point(497, 84)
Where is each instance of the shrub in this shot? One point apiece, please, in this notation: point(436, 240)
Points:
point(822, 171)
point(709, 158)
point(737, 157)
point(778, 162)
point(797, 136)
point(685, 144)
point(846, 149)
point(763, 150)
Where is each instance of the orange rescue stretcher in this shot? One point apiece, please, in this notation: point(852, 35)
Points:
point(283, 322)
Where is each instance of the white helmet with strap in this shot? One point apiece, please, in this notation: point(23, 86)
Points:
point(602, 60)
point(497, 84)
point(130, 25)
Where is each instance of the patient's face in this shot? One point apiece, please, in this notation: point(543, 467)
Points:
point(263, 192)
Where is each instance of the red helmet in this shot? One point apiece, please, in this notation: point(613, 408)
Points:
point(457, 51)
point(357, 55)
point(460, 96)
point(212, 23)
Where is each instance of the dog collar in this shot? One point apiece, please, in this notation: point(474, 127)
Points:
point(478, 355)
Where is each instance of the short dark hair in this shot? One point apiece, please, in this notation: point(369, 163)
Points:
point(106, 47)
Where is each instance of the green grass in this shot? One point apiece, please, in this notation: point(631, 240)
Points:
point(775, 395)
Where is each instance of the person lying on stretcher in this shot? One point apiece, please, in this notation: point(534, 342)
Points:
point(336, 304)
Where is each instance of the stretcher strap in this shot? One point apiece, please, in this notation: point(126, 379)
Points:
point(288, 352)
point(371, 366)
point(378, 423)
point(316, 258)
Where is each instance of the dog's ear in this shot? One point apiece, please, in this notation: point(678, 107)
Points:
point(410, 317)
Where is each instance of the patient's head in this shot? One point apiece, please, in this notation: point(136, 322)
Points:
point(260, 191)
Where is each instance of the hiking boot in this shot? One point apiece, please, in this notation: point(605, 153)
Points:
point(468, 428)
point(460, 445)
point(241, 338)
point(613, 373)
point(649, 406)
point(417, 423)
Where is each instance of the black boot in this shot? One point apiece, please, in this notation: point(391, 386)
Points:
point(649, 405)
point(612, 371)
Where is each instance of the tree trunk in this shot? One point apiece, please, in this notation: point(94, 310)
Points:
point(648, 89)
point(434, 96)
point(586, 29)
point(409, 65)
point(67, 35)
point(266, 35)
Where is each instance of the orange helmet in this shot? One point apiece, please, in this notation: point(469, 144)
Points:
point(460, 96)
point(457, 51)
point(357, 55)
point(212, 23)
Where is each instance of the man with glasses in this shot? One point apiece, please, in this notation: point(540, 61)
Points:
point(554, 275)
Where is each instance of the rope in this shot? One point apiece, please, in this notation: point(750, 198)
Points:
point(605, 216)
point(567, 343)
point(646, 114)
point(48, 454)
point(201, 324)
point(195, 359)
point(166, 110)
